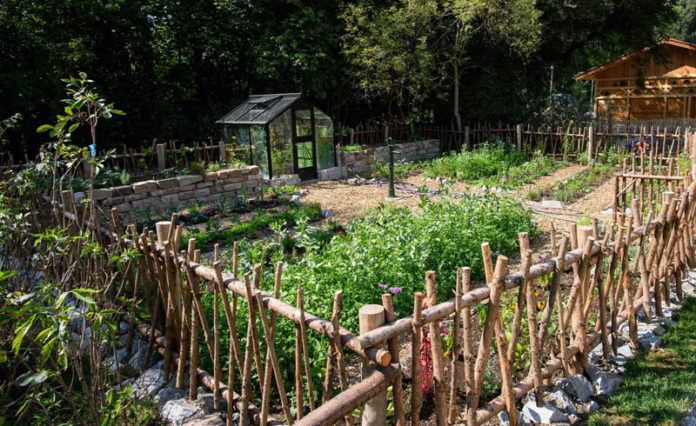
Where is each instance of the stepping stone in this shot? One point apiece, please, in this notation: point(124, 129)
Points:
point(604, 382)
point(545, 414)
point(180, 411)
point(577, 386)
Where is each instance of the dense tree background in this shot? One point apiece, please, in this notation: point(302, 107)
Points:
point(177, 66)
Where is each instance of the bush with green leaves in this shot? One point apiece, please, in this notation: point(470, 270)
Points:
point(493, 165)
point(488, 160)
point(394, 247)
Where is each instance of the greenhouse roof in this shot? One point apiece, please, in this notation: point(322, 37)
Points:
point(260, 109)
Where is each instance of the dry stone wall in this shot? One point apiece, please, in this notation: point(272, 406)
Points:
point(363, 161)
point(179, 191)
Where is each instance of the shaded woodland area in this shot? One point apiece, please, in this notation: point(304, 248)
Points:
point(175, 67)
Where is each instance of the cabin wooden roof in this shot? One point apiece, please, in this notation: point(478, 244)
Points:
point(592, 72)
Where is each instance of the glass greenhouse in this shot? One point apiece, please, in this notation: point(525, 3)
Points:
point(282, 134)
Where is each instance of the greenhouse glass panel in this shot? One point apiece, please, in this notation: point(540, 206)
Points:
point(323, 127)
point(280, 131)
point(259, 150)
point(303, 122)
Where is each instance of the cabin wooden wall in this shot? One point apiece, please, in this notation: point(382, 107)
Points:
point(659, 83)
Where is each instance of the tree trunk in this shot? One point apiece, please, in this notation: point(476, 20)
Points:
point(457, 117)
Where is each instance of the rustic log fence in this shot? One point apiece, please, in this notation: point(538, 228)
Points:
point(567, 141)
point(590, 278)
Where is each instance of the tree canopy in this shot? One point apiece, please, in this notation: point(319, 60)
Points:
point(176, 66)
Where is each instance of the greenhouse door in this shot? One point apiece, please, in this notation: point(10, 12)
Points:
point(303, 143)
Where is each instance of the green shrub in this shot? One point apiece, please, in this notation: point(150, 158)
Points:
point(395, 246)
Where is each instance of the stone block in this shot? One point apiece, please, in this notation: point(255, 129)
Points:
point(122, 190)
point(235, 179)
point(251, 184)
point(112, 201)
point(186, 195)
point(146, 186)
point(332, 173)
point(135, 197)
point(171, 198)
point(250, 170)
point(122, 208)
point(232, 186)
point(201, 193)
point(234, 172)
point(210, 177)
point(141, 204)
point(189, 180)
point(217, 189)
point(170, 191)
point(257, 176)
point(223, 174)
point(101, 194)
point(157, 193)
point(168, 183)
point(204, 185)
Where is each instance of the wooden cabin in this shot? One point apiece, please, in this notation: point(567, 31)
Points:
point(654, 83)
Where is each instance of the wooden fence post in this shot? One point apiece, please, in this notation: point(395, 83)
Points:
point(223, 151)
point(518, 134)
point(161, 164)
point(467, 138)
point(163, 231)
point(375, 410)
point(590, 144)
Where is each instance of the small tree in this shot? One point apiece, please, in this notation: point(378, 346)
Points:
point(83, 106)
point(389, 54)
point(515, 22)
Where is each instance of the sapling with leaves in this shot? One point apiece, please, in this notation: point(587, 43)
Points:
point(64, 319)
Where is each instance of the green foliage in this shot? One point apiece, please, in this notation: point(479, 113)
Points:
point(492, 165)
point(482, 162)
point(352, 148)
point(401, 170)
point(259, 222)
point(395, 246)
point(389, 54)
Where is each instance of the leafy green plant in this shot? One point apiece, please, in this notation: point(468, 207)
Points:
point(197, 168)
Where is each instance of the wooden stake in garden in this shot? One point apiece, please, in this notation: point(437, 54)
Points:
point(416, 324)
point(438, 356)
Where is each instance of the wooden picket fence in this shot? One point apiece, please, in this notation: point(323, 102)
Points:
point(172, 283)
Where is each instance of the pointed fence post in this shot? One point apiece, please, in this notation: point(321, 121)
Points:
point(375, 410)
